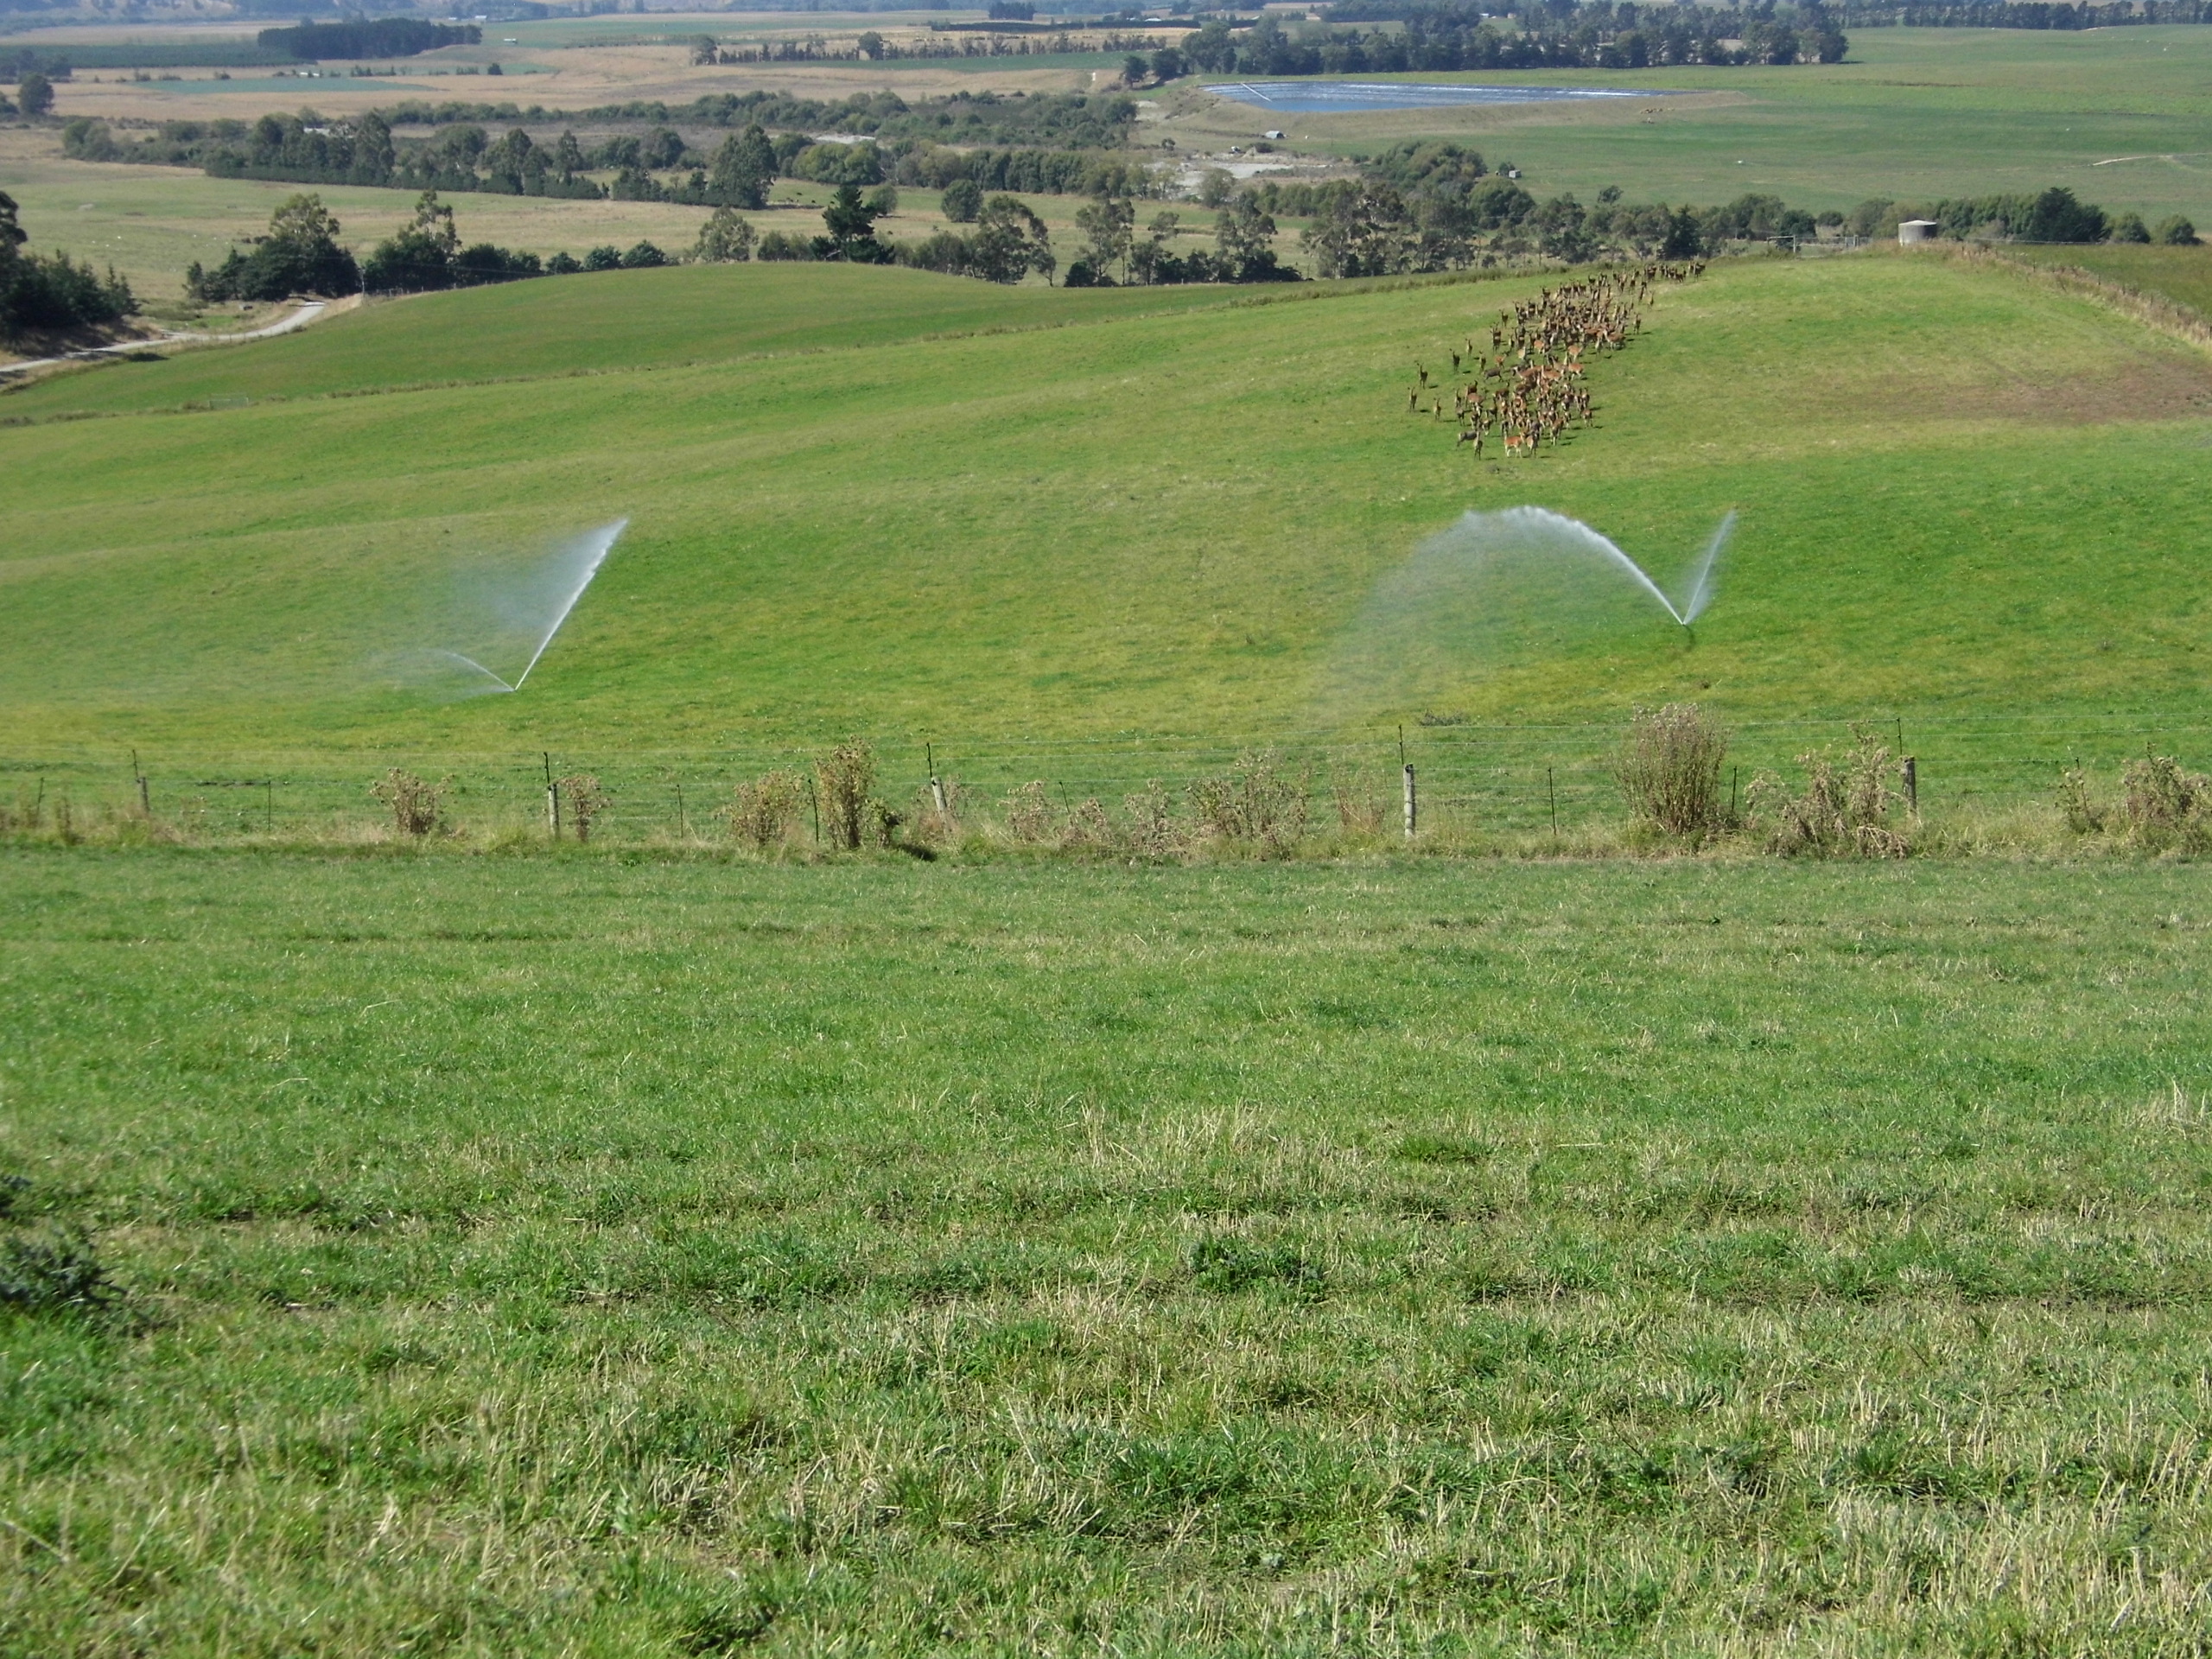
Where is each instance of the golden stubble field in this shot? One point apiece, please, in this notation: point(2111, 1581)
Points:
point(572, 64)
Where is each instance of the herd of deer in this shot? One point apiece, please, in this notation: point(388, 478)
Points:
point(1527, 388)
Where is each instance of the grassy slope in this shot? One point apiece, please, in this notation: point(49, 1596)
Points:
point(1962, 497)
point(603, 1258)
point(606, 320)
point(2183, 275)
point(1915, 112)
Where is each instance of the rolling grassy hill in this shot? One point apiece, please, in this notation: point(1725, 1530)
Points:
point(1962, 499)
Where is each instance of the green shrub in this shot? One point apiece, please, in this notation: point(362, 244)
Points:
point(300, 255)
point(962, 200)
point(726, 238)
point(2176, 232)
point(46, 1272)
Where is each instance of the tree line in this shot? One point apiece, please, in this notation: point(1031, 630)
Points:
point(2052, 215)
point(383, 37)
point(52, 293)
point(303, 148)
point(462, 156)
point(2034, 15)
point(872, 46)
point(1443, 39)
point(302, 254)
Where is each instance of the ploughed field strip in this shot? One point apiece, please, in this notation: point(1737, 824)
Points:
point(598, 1257)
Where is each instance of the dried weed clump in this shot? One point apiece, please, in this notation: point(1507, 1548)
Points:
point(1843, 810)
point(1669, 769)
point(846, 777)
point(417, 808)
point(2163, 807)
point(1255, 804)
point(763, 812)
point(586, 800)
point(941, 812)
point(1028, 817)
point(1359, 809)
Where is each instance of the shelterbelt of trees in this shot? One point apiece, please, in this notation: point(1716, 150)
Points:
point(43, 293)
point(1462, 35)
point(1058, 143)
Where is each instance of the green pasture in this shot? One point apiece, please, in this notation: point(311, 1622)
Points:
point(2183, 275)
point(581, 1256)
point(151, 223)
point(2121, 116)
point(1964, 502)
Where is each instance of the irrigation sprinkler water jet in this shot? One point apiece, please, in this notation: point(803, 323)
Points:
point(1542, 528)
point(535, 606)
point(594, 547)
point(1511, 596)
point(455, 657)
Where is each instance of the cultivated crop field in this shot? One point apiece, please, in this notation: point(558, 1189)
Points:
point(597, 1256)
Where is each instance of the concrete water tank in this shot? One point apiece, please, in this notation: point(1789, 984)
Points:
point(1917, 230)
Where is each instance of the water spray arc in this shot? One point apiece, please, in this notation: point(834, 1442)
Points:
point(597, 547)
point(1509, 599)
point(470, 662)
point(1541, 527)
point(578, 563)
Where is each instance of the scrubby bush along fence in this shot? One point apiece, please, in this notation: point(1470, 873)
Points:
point(1531, 786)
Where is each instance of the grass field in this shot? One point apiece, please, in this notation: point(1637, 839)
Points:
point(587, 1257)
point(646, 1250)
point(2183, 275)
point(152, 222)
point(1964, 501)
point(2118, 115)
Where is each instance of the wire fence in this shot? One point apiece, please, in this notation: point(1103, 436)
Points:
point(1494, 777)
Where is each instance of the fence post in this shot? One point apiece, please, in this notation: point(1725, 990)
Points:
point(937, 785)
point(552, 800)
point(1411, 816)
point(1910, 772)
point(1551, 793)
